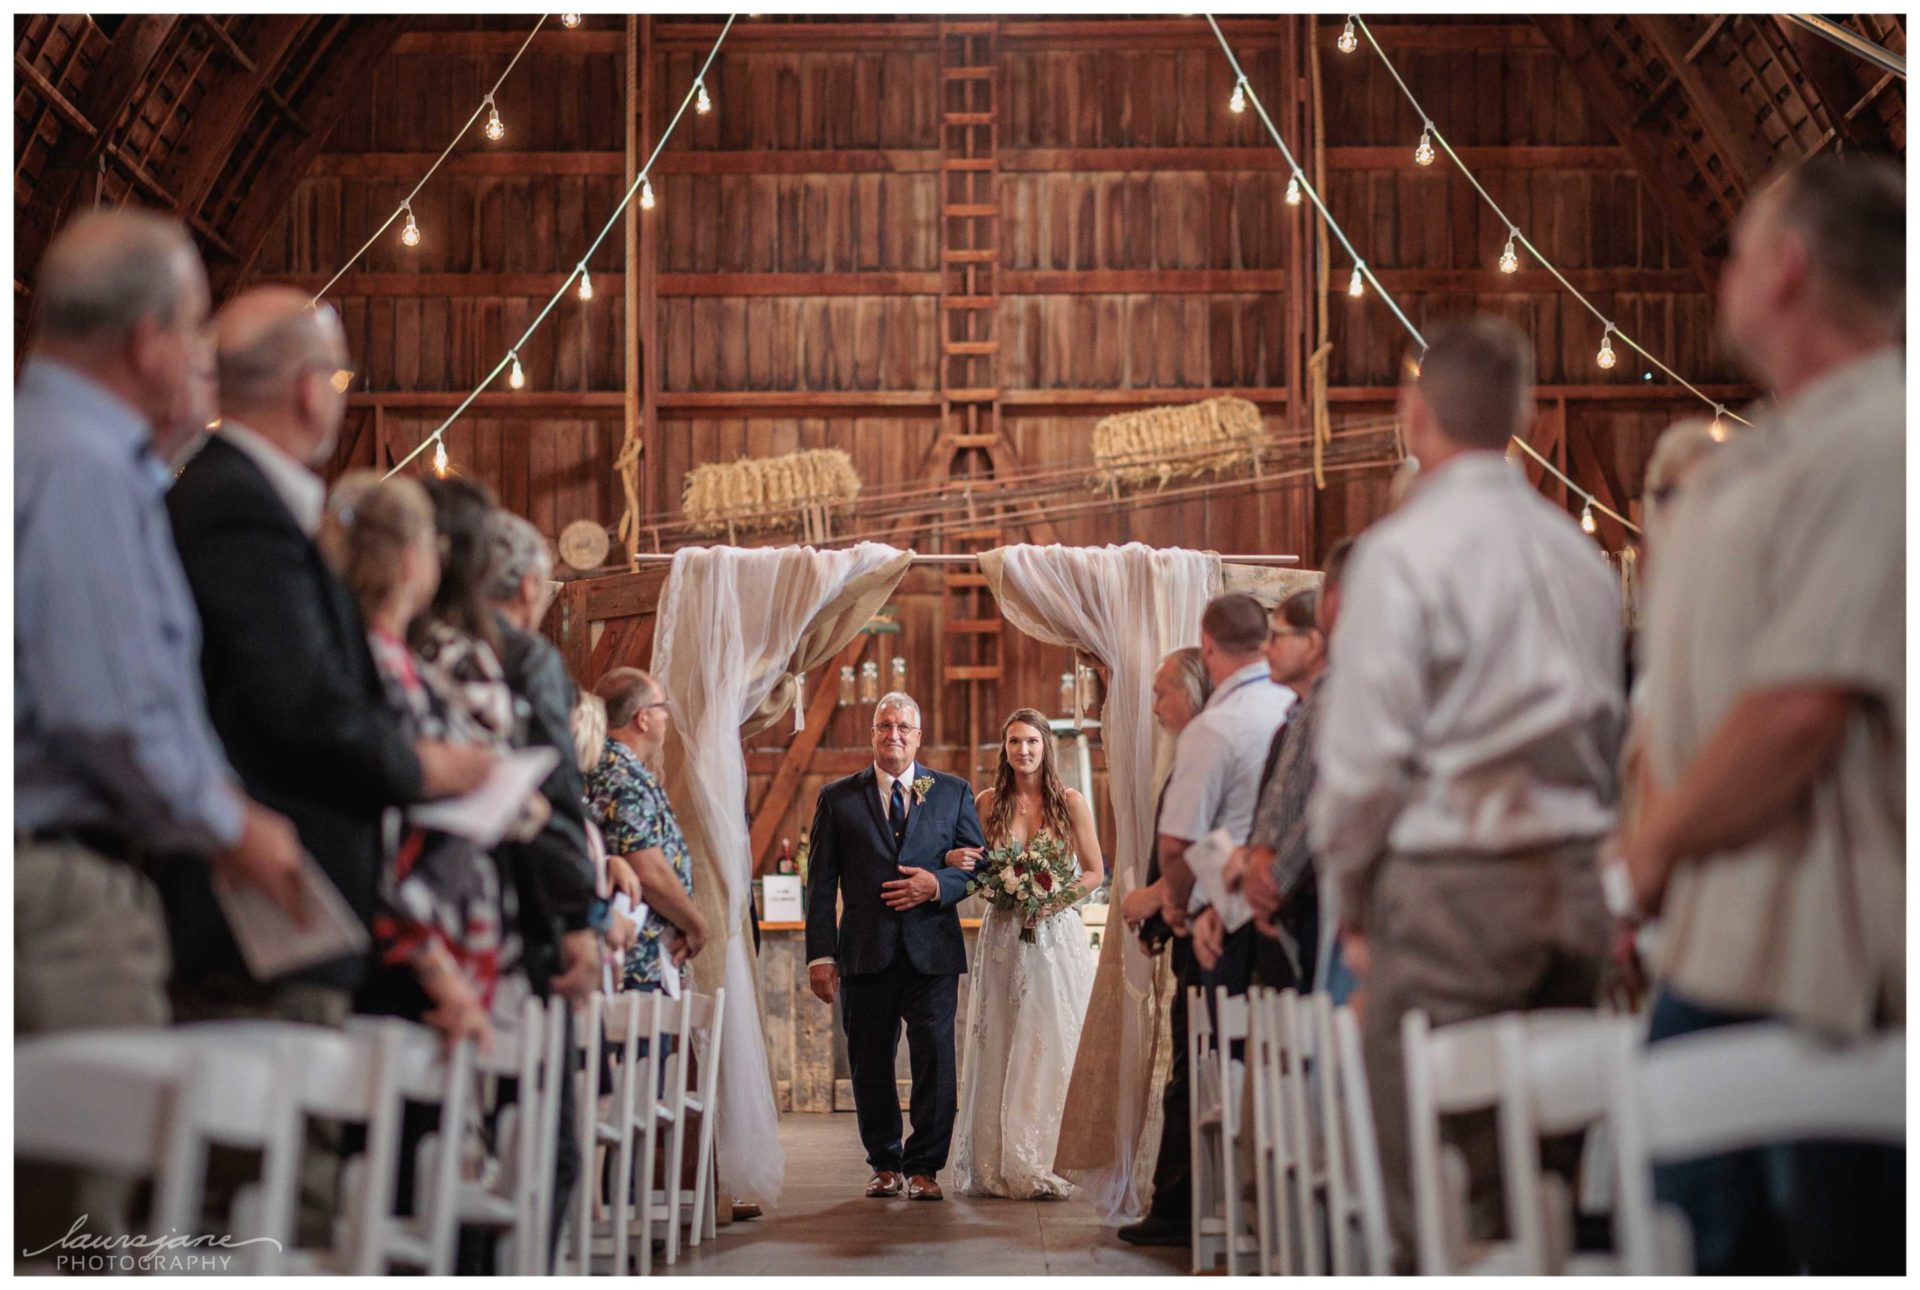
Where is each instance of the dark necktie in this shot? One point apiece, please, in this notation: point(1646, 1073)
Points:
point(897, 814)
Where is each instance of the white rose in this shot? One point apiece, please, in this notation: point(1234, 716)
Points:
point(1010, 883)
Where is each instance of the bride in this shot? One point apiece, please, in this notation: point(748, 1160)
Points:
point(1028, 994)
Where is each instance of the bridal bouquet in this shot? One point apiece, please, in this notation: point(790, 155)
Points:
point(1035, 881)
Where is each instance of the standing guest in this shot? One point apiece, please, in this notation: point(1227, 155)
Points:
point(290, 681)
point(1774, 843)
point(1276, 864)
point(1467, 740)
point(437, 924)
point(1215, 784)
point(1181, 688)
point(114, 759)
point(611, 874)
point(631, 808)
point(1331, 972)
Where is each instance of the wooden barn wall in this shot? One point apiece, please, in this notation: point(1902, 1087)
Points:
point(1203, 211)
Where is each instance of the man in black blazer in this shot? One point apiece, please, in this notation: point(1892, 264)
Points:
point(880, 841)
point(291, 686)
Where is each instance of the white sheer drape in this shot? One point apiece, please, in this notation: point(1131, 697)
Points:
point(729, 623)
point(1128, 606)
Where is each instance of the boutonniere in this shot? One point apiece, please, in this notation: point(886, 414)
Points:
point(921, 787)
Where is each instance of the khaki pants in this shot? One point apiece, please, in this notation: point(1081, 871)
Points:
point(1463, 936)
point(89, 951)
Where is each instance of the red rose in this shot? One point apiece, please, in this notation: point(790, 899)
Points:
point(1044, 881)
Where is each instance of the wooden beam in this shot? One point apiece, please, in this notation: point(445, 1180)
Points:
point(1709, 89)
point(1464, 36)
point(771, 811)
point(1626, 392)
point(1490, 282)
point(1057, 160)
point(208, 141)
point(569, 626)
point(571, 401)
point(485, 44)
point(490, 163)
point(906, 283)
point(1051, 282)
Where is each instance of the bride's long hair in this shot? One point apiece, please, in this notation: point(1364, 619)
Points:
point(1053, 794)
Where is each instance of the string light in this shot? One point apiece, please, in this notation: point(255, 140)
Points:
point(701, 103)
point(1605, 357)
point(646, 194)
point(1293, 190)
point(1238, 103)
point(1356, 285)
point(1348, 42)
point(1423, 151)
point(516, 377)
point(496, 129)
point(1509, 258)
point(1587, 523)
point(1718, 430)
point(410, 232)
point(586, 283)
point(569, 20)
point(440, 458)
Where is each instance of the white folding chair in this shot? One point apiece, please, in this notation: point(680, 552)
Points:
point(706, 1015)
point(516, 1201)
point(1481, 1065)
point(634, 1021)
point(1729, 1089)
point(1219, 1210)
point(1271, 1142)
point(1300, 1071)
point(661, 1211)
point(1358, 1141)
point(594, 1133)
point(148, 1103)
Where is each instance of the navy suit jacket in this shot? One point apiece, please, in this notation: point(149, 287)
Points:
point(851, 852)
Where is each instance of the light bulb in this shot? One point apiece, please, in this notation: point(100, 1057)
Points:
point(1356, 285)
point(1348, 42)
point(646, 194)
point(1605, 357)
point(701, 103)
point(515, 377)
point(586, 283)
point(1587, 523)
point(1238, 103)
point(1423, 151)
point(1718, 430)
point(496, 129)
point(1509, 258)
point(569, 20)
point(440, 458)
point(410, 233)
point(1293, 190)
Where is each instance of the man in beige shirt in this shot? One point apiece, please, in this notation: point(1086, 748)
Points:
point(1773, 841)
point(1466, 749)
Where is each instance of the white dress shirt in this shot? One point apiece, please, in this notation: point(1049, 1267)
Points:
point(1215, 783)
point(304, 492)
point(1474, 701)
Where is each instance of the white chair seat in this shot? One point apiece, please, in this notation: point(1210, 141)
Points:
point(484, 1209)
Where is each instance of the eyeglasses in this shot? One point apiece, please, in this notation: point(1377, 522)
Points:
point(891, 729)
point(340, 378)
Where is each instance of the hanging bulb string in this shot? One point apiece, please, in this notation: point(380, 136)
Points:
point(619, 209)
point(406, 202)
point(1360, 267)
point(1307, 187)
point(1515, 234)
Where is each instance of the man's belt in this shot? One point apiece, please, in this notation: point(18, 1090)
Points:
point(104, 841)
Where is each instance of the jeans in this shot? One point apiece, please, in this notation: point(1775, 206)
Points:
point(1820, 1207)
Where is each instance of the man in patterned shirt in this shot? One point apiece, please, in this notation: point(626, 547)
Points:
point(626, 800)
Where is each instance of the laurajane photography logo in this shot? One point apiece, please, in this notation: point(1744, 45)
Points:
point(83, 1251)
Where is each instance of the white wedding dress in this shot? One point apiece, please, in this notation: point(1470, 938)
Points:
point(1023, 1025)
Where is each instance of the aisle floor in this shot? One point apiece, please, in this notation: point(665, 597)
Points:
point(825, 1227)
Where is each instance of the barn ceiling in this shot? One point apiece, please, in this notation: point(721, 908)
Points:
point(216, 118)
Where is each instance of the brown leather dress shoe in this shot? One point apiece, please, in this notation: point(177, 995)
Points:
point(923, 1187)
point(883, 1185)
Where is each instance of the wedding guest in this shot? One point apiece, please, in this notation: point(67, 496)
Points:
point(1774, 848)
point(437, 926)
point(114, 758)
point(632, 810)
point(612, 876)
point(1181, 689)
point(1467, 740)
point(1276, 865)
point(290, 681)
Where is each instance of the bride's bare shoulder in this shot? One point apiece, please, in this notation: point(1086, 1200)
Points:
point(983, 799)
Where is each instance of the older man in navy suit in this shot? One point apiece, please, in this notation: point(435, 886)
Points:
point(880, 842)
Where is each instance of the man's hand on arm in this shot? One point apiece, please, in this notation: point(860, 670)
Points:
point(913, 887)
point(581, 950)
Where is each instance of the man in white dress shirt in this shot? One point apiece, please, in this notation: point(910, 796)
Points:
point(1468, 746)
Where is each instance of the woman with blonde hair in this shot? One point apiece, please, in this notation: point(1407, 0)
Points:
point(1032, 973)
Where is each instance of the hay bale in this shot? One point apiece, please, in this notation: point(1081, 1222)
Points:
point(760, 493)
point(1159, 445)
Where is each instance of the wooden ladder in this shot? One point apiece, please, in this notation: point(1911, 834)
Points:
point(970, 434)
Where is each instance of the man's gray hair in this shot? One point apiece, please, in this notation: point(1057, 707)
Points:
point(106, 271)
point(259, 373)
point(896, 699)
point(515, 549)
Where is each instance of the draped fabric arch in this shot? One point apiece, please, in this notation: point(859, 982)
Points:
point(735, 627)
point(1129, 606)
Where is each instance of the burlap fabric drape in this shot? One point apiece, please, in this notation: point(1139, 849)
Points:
point(732, 624)
point(1128, 606)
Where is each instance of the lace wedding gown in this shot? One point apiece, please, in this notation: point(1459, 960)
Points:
point(1023, 1025)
